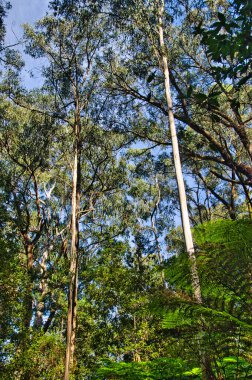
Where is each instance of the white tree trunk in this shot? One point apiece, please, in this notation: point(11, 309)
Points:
point(73, 281)
point(178, 169)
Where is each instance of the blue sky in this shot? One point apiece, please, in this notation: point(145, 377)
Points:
point(25, 11)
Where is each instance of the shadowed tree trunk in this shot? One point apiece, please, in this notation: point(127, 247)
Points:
point(29, 247)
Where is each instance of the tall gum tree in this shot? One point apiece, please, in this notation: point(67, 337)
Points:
point(144, 20)
point(177, 163)
point(71, 40)
point(70, 44)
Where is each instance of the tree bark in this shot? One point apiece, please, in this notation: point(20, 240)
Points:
point(29, 248)
point(43, 289)
point(73, 280)
point(233, 197)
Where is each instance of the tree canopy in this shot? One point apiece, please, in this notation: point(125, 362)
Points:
point(125, 192)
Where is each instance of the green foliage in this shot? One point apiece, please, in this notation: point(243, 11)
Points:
point(4, 7)
point(227, 245)
point(235, 367)
point(160, 369)
point(43, 358)
point(228, 40)
point(177, 318)
point(103, 74)
point(114, 316)
point(222, 324)
point(226, 235)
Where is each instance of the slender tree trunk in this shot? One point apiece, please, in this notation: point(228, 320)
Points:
point(233, 197)
point(43, 288)
point(28, 303)
point(207, 373)
point(29, 248)
point(178, 169)
point(73, 281)
point(136, 356)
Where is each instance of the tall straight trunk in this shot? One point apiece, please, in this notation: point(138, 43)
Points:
point(178, 169)
point(73, 281)
point(28, 303)
point(207, 373)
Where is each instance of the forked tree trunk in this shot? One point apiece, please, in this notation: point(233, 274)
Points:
point(73, 280)
point(178, 169)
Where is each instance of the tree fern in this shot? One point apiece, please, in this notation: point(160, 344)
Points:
point(223, 323)
point(159, 369)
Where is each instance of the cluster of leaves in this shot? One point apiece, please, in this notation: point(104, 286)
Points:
point(229, 43)
point(159, 369)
